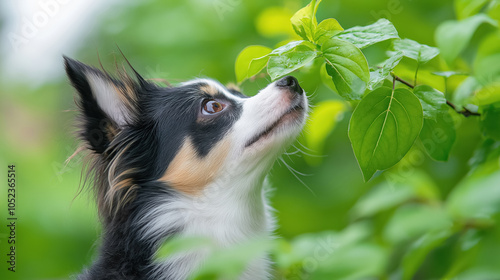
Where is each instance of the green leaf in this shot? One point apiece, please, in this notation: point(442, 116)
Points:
point(381, 73)
point(487, 69)
point(229, 263)
point(347, 66)
point(432, 100)
point(414, 50)
point(359, 261)
point(453, 36)
point(467, 8)
point(487, 95)
point(438, 135)
point(326, 29)
point(415, 256)
point(380, 198)
point(250, 61)
point(478, 195)
point(465, 90)
point(288, 47)
point(490, 121)
point(321, 122)
point(326, 79)
point(364, 36)
point(180, 244)
point(489, 149)
point(304, 21)
point(438, 132)
point(393, 192)
point(289, 61)
point(414, 220)
point(383, 128)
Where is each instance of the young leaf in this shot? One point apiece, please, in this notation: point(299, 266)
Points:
point(364, 36)
point(251, 61)
point(347, 66)
point(304, 21)
point(414, 50)
point(438, 135)
point(453, 36)
point(289, 61)
point(381, 73)
point(326, 29)
point(383, 128)
point(432, 100)
point(285, 48)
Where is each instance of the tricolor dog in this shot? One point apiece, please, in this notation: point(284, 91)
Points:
point(185, 160)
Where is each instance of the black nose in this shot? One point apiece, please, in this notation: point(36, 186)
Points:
point(291, 83)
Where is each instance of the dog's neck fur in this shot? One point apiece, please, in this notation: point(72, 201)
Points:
point(223, 213)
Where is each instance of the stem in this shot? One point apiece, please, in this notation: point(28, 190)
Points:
point(396, 78)
point(416, 73)
point(466, 112)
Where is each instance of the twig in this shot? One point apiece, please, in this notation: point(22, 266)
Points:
point(466, 112)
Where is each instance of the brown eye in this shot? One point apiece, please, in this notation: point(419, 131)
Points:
point(211, 107)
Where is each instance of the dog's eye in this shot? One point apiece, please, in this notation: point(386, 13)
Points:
point(211, 107)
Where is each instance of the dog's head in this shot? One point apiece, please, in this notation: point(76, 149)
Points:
point(185, 137)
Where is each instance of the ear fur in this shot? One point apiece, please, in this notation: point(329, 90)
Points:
point(106, 105)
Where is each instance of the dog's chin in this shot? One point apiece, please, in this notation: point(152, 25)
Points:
point(281, 132)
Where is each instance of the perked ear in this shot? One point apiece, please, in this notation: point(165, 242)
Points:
point(106, 105)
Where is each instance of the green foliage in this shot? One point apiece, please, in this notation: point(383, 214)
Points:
point(377, 146)
point(290, 58)
point(364, 36)
point(411, 49)
point(453, 36)
point(347, 66)
point(383, 128)
point(251, 61)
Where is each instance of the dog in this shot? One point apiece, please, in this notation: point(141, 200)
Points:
point(185, 160)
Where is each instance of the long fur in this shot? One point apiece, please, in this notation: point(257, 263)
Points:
point(162, 165)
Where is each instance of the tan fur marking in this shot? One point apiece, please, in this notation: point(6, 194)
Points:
point(127, 94)
point(189, 173)
point(233, 86)
point(111, 131)
point(209, 89)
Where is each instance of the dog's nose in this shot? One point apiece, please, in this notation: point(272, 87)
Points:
point(291, 83)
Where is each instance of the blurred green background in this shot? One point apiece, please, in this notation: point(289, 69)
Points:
point(180, 40)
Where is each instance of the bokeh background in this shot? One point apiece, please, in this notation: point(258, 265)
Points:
point(180, 40)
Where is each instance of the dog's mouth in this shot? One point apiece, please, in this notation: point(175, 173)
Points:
point(295, 111)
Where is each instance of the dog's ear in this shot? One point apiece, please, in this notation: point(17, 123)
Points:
point(106, 105)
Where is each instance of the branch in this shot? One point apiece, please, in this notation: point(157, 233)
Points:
point(466, 112)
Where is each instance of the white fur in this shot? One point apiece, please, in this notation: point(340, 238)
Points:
point(108, 99)
point(234, 208)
